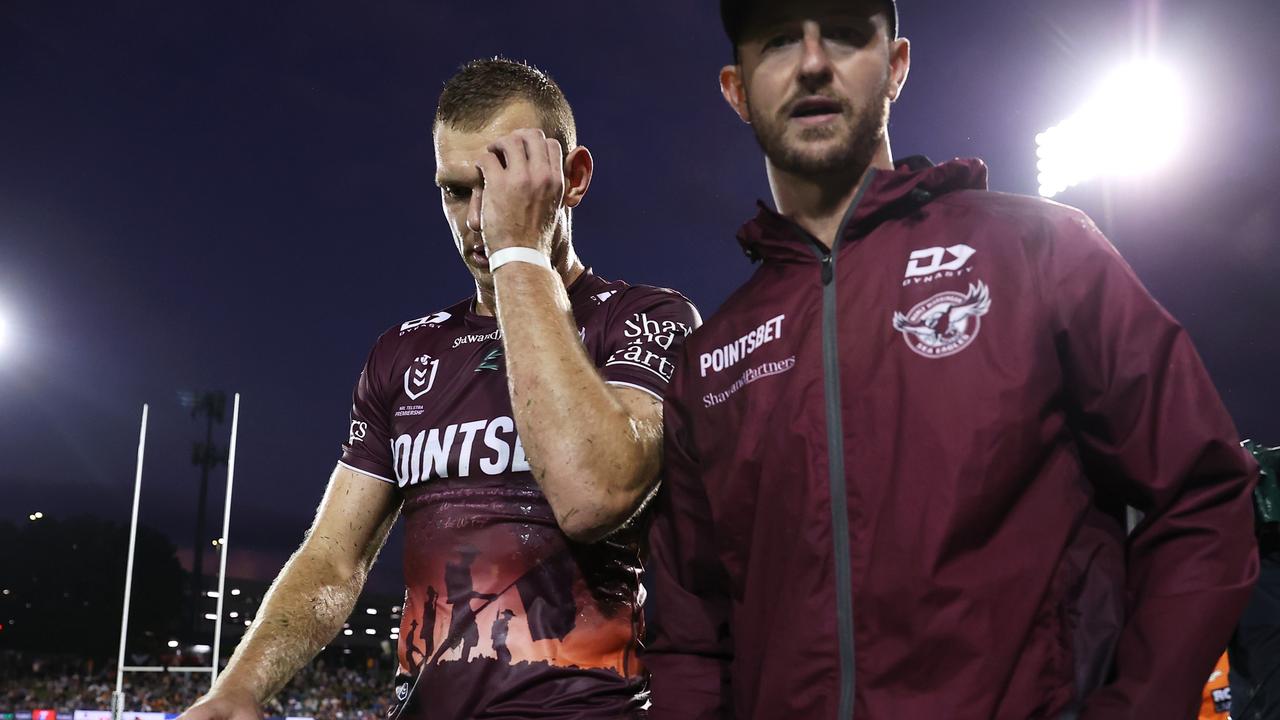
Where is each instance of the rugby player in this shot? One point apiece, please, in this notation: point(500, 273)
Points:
point(516, 430)
point(897, 458)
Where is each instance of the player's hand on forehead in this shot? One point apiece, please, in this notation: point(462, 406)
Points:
point(523, 176)
point(529, 145)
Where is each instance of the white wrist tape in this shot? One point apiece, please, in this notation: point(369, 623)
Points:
point(518, 254)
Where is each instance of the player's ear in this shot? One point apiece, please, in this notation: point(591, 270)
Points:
point(578, 168)
point(734, 93)
point(899, 66)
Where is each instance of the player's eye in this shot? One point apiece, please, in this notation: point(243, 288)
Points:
point(455, 192)
point(781, 41)
point(846, 35)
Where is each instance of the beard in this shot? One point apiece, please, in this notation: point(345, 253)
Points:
point(856, 140)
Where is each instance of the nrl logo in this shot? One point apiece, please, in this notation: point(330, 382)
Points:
point(946, 323)
point(418, 380)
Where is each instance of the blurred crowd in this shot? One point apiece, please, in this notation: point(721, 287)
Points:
point(324, 693)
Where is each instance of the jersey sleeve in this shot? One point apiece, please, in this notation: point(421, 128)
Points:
point(368, 446)
point(645, 337)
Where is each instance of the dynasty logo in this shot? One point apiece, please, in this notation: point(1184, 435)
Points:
point(936, 263)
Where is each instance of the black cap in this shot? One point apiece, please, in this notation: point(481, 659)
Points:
point(733, 13)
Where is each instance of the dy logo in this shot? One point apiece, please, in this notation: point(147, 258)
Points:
point(937, 259)
point(420, 376)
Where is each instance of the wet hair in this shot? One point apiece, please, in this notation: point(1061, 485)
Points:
point(483, 88)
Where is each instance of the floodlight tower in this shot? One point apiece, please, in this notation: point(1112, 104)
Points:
point(212, 406)
point(1135, 124)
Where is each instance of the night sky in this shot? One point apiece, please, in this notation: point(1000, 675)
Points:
point(238, 195)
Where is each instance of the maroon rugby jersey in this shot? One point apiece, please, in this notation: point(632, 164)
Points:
point(504, 616)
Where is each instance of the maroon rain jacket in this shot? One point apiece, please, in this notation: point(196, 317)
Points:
point(896, 476)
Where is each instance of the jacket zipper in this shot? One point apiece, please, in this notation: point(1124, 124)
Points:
point(835, 457)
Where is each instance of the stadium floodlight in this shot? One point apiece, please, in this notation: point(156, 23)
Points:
point(233, 614)
point(173, 643)
point(202, 649)
point(1134, 124)
point(370, 631)
point(371, 611)
point(4, 330)
point(348, 631)
point(235, 591)
point(210, 616)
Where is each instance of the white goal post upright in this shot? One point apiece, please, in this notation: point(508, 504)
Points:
point(226, 532)
point(117, 698)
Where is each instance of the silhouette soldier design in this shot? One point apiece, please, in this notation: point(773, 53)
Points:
point(499, 635)
point(461, 591)
point(428, 633)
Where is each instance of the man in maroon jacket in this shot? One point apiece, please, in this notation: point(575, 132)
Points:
point(897, 458)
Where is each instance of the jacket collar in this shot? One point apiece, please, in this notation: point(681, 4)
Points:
point(913, 183)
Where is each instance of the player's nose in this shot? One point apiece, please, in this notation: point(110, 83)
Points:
point(815, 63)
point(473, 212)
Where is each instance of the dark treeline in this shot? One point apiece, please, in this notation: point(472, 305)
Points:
point(62, 584)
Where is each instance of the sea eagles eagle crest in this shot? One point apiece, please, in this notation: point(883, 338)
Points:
point(937, 325)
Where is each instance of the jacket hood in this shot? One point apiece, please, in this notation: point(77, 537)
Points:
point(913, 183)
